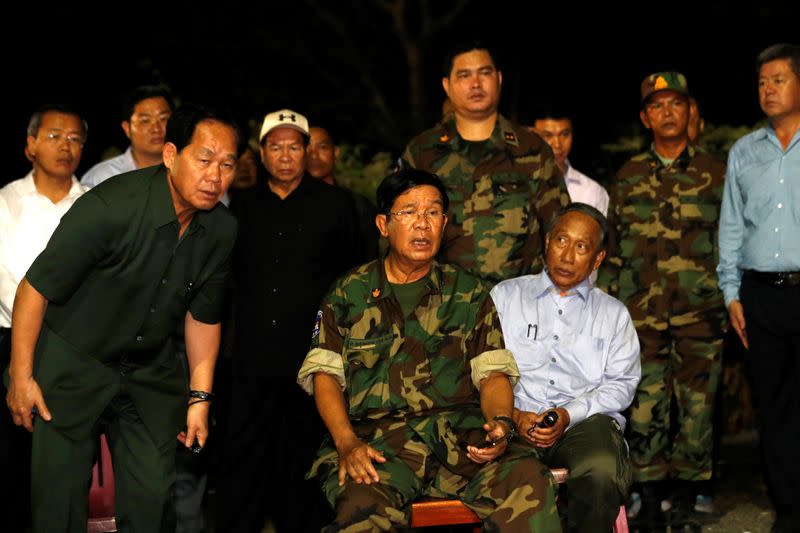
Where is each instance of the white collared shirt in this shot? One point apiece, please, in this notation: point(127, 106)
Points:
point(27, 220)
point(584, 189)
point(578, 351)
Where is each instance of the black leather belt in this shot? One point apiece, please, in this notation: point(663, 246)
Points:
point(776, 279)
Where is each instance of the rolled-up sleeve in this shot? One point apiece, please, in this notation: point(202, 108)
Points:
point(486, 348)
point(494, 361)
point(327, 346)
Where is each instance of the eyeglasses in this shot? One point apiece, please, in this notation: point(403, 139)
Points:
point(72, 138)
point(409, 216)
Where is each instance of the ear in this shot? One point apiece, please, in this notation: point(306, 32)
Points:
point(31, 146)
point(336, 153)
point(598, 259)
point(446, 86)
point(382, 221)
point(169, 153)
point(644, 119)
point(546, 241)
point(500, 78)
point(126, 127)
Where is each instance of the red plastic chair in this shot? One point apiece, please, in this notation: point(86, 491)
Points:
point(453, 512)
point(101, 493)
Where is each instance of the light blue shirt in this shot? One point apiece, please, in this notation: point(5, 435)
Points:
point(110, 167)
point(578, 351)
point(760, 212)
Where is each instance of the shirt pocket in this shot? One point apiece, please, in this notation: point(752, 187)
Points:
point(585, 369)
point(510, 203)
point(531, 355)
point(754, 183)
point(366, 370)
point(635, 221)
point(698, 218)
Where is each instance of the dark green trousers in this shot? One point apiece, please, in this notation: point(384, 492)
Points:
point(596, 455)
point(144, 475)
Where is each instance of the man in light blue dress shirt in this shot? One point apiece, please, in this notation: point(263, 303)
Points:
point(578, 355)
point(759, 269)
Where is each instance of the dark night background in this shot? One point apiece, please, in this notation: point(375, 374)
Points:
point(345, 64)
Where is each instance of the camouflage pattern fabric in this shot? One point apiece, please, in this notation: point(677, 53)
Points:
point(661, 263)
point(502, 192)
point(409, 392)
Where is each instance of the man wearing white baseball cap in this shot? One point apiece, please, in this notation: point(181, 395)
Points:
point(296, 235)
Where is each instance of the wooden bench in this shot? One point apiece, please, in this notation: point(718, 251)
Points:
point(453, 512)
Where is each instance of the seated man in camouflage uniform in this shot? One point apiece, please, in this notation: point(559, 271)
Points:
point(413, 381)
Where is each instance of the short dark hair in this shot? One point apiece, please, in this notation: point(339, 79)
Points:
point(184, 121)
point(552, 111)
point(403, 179)
point(462, 48)
point(143, 93)
point(36, 119)
point(780, 51)
point(588, 210)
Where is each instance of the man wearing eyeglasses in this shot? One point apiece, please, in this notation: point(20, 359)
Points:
point(144, 120)
point(411, 376)
point(30, 209)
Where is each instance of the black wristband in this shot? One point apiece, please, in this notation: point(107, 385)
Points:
point(511, 425)
point(202, 395)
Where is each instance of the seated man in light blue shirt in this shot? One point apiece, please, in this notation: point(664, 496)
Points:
point(578, 356)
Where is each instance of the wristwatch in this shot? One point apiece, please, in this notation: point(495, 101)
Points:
point(511, 426)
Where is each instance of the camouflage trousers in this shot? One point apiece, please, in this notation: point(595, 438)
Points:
point(515, 493)
point(681, 366)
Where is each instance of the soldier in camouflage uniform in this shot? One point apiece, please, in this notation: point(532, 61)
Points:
point(503, 182)
point(661, 263)
point(410, 374)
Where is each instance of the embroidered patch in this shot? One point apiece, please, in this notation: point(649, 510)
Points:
point(316, 325)
point(376, 293)
point(444, 138)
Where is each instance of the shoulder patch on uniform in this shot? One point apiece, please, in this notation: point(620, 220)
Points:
point(376, 292)
point(316, 325)
point(511, 137)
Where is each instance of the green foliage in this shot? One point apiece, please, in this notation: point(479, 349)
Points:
point(718, 140)
point(358, 171)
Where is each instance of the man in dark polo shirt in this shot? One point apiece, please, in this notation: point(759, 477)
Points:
point(132, 262)
point(296, 235)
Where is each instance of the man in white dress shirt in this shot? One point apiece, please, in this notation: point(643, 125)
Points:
point(556, 130)
point(30, 210)
point(578, 356)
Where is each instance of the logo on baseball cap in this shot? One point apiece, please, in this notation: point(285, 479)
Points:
point(664, 81)
point(285, 118)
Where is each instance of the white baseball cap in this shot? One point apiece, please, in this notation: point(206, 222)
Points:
point(285, 118)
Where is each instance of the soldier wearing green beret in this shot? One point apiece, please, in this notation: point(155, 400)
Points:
point(663, 217)
point(136, 261)
point(503, 181)
point(411, 376)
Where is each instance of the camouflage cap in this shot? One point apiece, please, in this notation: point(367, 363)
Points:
point(664, 81)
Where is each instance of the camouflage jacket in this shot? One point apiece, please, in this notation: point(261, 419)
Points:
point(663, 223)
point(502, 194)
point(422, 370)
